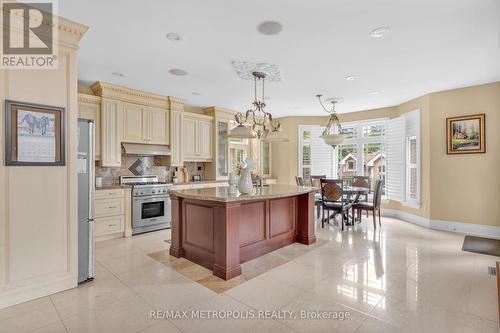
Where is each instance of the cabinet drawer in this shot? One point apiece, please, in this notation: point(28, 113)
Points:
point(114, 193)
point(107, 207)
point(109, 225)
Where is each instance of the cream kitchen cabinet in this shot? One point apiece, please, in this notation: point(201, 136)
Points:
point(147, 125)
point(176, 158)
point(158, 126)
point(110, 213)
point(89, 107)
point(135, 123)
point(111, 132)
point(197, 138)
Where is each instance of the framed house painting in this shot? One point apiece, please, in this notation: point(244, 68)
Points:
point(466, 134)
point(34, 134)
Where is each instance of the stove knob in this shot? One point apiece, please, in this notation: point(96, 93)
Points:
point(153, 191)
point(142, 192)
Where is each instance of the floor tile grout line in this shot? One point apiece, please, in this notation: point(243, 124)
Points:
point(58, 314)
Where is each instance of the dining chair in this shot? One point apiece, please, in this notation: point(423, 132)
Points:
point(374, 206)
point(315, 181)
point(332, 196)
point(318, 202)
point(299, 181)
point(362, 181)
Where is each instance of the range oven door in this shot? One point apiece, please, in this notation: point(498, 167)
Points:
point(149, 211)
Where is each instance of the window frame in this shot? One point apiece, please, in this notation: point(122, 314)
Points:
point(410, 202)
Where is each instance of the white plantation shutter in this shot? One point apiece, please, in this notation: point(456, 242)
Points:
point(412, 120)
point(322, 155)
point(396, 159)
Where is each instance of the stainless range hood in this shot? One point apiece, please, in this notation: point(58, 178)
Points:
point(145, 150)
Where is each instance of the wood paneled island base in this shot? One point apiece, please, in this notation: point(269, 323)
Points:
point(220, 230)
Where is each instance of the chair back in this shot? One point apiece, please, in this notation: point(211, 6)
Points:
point(299, 181)
point(377, 197)
point(331, 190)
point(361, 181)
point(315, 180)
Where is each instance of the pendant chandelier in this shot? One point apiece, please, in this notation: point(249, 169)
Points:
point(263, 125)
point(332, 135)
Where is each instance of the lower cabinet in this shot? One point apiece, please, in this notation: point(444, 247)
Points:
point(110, 213)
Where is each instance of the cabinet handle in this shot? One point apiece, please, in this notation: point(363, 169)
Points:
point(112, 225)
point(112, 207)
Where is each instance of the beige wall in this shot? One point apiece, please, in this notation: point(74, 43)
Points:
point(465, 188)
point(38, 205)
point(457, 188)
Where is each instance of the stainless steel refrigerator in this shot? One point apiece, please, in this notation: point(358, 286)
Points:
point(86, 188)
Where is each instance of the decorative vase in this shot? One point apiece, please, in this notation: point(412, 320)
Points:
point(245, 183)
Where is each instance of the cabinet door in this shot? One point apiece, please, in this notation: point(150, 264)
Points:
point(222, 147)
point(205, 139)
point(158, 126)
point(135, 122)
point(111, 132)
point(266, 159)
point(189, 138)
point(92, 111)
point(176, 159)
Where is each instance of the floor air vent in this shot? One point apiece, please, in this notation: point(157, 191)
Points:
point(492, 270)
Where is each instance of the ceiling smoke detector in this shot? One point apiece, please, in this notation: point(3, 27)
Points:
point(352, 77)
point(178, 72)
point(379, 32)
point(269, 28)
point(174, 37)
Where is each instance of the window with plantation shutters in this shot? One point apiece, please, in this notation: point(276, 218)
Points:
point(403, 158)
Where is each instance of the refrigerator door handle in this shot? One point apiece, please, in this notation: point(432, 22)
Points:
point(91, 248)
point(91, 159)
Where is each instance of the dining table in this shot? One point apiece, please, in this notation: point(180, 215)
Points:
point(349, 193)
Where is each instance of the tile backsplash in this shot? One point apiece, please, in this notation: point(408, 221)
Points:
point(133, 165)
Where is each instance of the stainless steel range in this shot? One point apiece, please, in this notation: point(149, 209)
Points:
point(151, 208)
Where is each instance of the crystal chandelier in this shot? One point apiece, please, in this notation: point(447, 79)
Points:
point(263, 125)
point(332, 135)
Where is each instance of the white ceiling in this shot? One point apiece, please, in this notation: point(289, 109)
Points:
point(432, 45)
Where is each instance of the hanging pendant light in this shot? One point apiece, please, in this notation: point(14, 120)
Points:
point(263, 126)
point(332, 135)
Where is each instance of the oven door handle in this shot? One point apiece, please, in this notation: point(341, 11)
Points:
point(148, 199)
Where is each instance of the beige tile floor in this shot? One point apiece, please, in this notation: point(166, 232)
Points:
point(401, 278)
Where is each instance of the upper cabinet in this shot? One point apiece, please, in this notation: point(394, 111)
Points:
point(197, 137)
point(158, 126)
point(135, 123)
point(222, 123)
point(176, 110)
point(134, 116)
point(89, 107)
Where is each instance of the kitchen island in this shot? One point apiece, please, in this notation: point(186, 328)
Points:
point(220, 230)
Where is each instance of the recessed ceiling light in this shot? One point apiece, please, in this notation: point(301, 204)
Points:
point(118, 74)
point(178, 72)
point(174, 36)
point(196, 93)
point(269, 28)
point(297, 107)
point(379, 32)
point(352, 77)
point(375, 92)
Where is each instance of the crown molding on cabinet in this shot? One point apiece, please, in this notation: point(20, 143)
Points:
point(86, 98)
point(114, 91)
point(220, 112)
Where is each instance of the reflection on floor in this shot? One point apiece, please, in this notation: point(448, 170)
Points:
point(400, 278)
point(249, 270)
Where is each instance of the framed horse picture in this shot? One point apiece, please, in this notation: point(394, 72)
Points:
point(34, 134)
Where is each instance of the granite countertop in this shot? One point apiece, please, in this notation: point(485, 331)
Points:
point(221, 194)
point(200, 182)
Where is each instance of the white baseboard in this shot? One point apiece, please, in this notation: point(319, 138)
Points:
point(36, 290)
point(458, 227)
